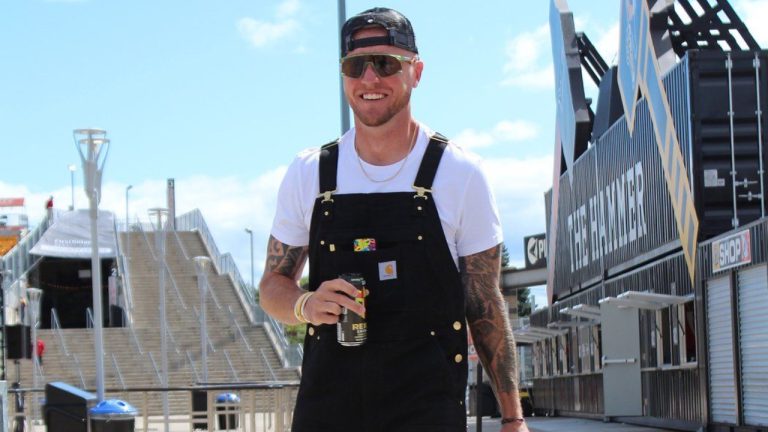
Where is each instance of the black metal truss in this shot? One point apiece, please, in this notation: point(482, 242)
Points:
point(717, 28)
point(591, 60)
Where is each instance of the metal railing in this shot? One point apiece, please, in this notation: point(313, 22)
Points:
point(88, 318)
point(124, 270)
point(231, 366)
point(191, 364)
point(223, 263)
point(79, 370)
point(56, 327)
point(18, 260)
point(173, 339)
point(238, 329)
point(118, 372)
point(136, 340)
point(162, 266)
point(266, 363)
point(154, 366)
point(290, 353)
point(263, 406)
point(181, 244)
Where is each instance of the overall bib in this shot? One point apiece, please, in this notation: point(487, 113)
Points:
point(411, 373)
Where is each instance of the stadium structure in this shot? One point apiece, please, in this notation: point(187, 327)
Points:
point(657, 276)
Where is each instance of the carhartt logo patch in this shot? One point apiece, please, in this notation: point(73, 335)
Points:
point(388, 270)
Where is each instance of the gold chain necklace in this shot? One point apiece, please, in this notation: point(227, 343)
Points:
point(399, 170)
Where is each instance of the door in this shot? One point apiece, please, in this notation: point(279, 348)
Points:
point(722, 378)
point(753, 337)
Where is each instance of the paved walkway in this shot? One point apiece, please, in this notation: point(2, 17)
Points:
point(562, 424)
point(535, 424)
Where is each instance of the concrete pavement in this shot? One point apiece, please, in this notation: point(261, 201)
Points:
point(561, 424)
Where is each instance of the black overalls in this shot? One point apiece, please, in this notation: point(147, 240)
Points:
point(411, 374)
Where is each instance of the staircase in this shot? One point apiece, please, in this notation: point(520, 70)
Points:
point(136, 353)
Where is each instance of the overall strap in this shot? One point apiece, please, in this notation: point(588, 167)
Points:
point(329, 158)
point(429, 164)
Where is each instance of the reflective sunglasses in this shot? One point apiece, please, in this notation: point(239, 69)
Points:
point(383, 64)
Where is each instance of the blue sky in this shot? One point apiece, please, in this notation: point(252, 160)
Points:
point(220, 96)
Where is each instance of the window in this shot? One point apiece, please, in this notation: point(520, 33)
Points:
point(596, 346)
point(585, 359)
point(664, 338)
point(687, 332)
point(551, 356)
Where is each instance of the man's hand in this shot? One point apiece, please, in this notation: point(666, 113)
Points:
point(324, 305)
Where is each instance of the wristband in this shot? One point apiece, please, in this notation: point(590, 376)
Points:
point(512, 420)
point(298, 307)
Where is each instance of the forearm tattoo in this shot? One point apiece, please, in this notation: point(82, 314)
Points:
point(284, 259)
point(487, 317)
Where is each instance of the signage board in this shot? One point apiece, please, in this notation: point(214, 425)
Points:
point(535, 251)
point(731, 251)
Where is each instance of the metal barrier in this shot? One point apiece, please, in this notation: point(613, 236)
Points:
point(238, 330)
point(79, 370)
point(18, 260)
point(56, 326)
point(231, 366)
point(191, 364)
point(162, 266)
point(290, 354)
point(124, 270)
point(266, 363)
point(263, 406)
point(118, 372)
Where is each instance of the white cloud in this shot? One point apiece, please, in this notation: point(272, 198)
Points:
point(607, 43)
point(261, 33)
point(504, 131)
point(229, 205)
point(288, 8)
point(529, 62)
point(519, 186)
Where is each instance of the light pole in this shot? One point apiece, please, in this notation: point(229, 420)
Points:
point(5, 279)
point(33, 296)
point(250, 233)
point(161, 215)
point(127, 214)
point(93, 146)
point(342, 9)
point(127, 224)
point(203, 268)
point(72, 169)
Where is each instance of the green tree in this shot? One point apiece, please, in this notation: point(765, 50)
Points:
point(523, 294)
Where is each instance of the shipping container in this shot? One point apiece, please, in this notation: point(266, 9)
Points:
point(614, 210)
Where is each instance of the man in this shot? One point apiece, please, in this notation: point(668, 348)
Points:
point(431, 215)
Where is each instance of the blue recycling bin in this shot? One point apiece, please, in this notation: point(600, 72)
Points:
point(227, 405)
point(113, 415)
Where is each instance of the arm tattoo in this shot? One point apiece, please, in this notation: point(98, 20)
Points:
point(284, 259)
point(487, 317)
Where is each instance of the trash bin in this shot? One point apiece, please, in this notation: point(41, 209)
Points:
point(228, 404)
point(66, 407)
point(113, 415)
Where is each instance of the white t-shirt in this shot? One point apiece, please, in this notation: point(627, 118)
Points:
point(461, 192)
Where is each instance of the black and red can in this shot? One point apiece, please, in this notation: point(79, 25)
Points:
point(352, 329)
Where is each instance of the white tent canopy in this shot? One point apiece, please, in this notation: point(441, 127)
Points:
point(70, 236)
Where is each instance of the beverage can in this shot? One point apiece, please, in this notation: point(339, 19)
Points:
point(352, 329)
